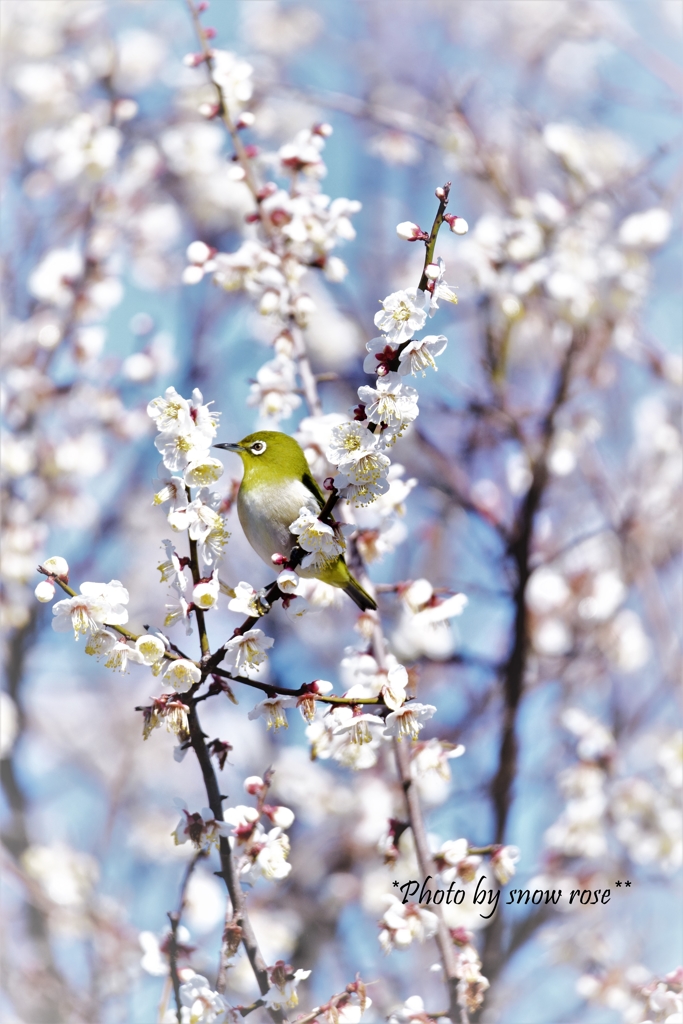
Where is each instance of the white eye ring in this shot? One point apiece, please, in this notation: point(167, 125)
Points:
point(258, 447)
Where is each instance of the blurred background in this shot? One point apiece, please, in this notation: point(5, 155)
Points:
point(547, 463)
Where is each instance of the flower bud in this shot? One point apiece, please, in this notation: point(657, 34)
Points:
point(253, 785)
point(45, 591)
point(303, 307)
point(458, 225)
point(246, 120)
point(192, 274)
point(335, 270)
point(125, 110)
point(56, 566)
point(198, 252)
point(440, 192)
point(410, 232)
point(208, 110)
point(281, 817)
point(270, 302)
point(324, 130)
point(432, 271)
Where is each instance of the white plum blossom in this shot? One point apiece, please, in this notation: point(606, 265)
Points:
point(302, 154)
point(205, 1006)
point(319, 539)
point(391, 405)
point(401, 315)
point(403, 923)
point(171, 570)
point(233, 76)
point(203, 471)
point(247, 601)
point(204, 524)
point(182, 674)
point(54, 278)
point(394, 690)
point(172, 489)
point(178, 610)
point(358, 727)
point(272, 708)
point(288, 581)
point(454, 861)
point(249, 650)
point(437, 288)
point(408, 720)
point(282, 993)
point(274, 390)
point(363, 468)
point(420, 354)
point(201, 829)
point(98, 604)
point(268, 856)
point(503, 863)
point(151, 649)
point(205, 593)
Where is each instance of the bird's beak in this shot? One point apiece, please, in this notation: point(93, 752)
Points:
point(229, 446)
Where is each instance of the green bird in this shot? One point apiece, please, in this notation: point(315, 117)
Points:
point(277, 483)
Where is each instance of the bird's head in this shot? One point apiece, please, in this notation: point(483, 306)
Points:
point(269, 456)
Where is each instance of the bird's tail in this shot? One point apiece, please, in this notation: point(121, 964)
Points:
point(360, 596)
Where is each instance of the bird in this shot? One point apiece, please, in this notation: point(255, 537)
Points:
point(277, 483)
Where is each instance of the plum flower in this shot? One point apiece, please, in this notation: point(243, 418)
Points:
point(420, 353)
point(503, 863)
point(400, 316)
point(247, 601)
point(203, 1004)
point(171, 570)
point(182, 674)
point(403, 923)
point(98, 604)
point(283, 984)
point(391, 404)
point(407, 721)
point(249, 649)
point(272, 707)
point(203, 830)
point(318, 538)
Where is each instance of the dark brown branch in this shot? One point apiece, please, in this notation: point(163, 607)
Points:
point(228, 868)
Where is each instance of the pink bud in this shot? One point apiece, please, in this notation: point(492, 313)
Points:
point(458, 225)
point(411, 232)
point(208, 110)
point(278, 559)
point(210, 33)
point(253, 785)
point(269, 189)
point(251, 151)
point(202, 6)
point(193, 60)
point(246, 120)
point(324, 129)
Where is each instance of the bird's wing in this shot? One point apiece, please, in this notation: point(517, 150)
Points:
point(313, 487)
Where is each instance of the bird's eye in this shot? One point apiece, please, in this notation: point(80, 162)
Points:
point(258, 447)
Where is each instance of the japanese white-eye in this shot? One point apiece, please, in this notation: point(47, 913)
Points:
point(277, 483)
